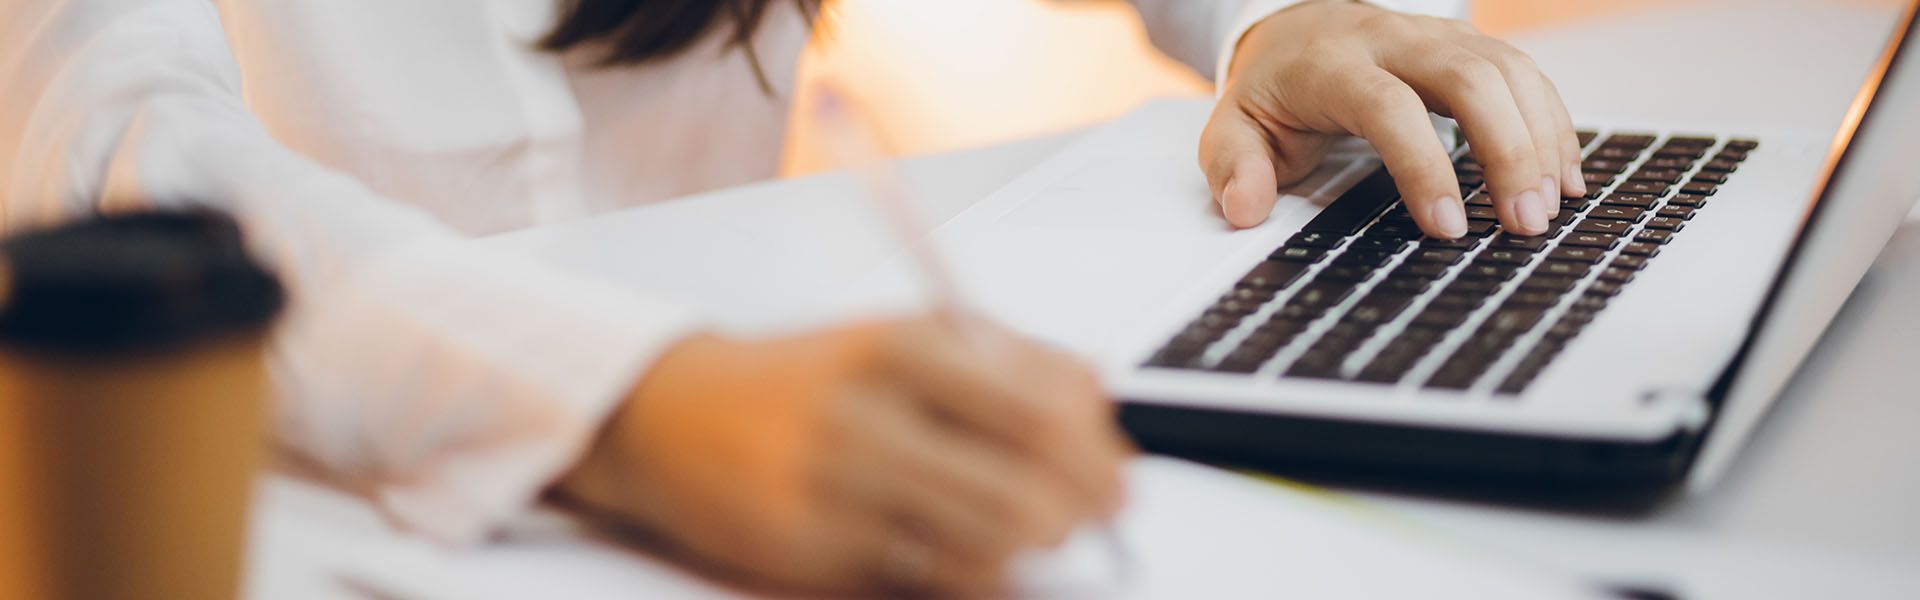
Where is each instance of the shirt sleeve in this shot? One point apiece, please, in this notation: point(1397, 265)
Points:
point(1204, 33)
point(452, 384)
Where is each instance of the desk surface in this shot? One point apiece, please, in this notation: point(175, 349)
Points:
point(1822, 503)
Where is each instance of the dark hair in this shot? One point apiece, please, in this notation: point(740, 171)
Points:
point(638, 31)
point(133, 284)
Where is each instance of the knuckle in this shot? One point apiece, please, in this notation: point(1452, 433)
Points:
point(1472, 72)
point(1385, 24)
point(1509, 155)
point(1383, 95)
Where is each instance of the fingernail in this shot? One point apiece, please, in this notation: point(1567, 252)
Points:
point(1450, 215)
point(1579, 179)
point(1532, 218)
point(1549, 195)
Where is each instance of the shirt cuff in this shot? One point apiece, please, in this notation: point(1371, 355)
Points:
point(1250, 14)
point(458, 385)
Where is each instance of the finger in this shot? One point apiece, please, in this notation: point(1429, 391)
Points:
point(1474, 92)
point(886, 465)
point(1570, 144)
point(1030, 405)
point(1546, 117)
point(1243, 167)
point(976, 483)
point(1379, 107)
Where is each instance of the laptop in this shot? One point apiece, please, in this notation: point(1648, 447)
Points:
point(1631, 348)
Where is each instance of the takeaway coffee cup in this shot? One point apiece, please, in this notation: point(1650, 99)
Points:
point(132, 407)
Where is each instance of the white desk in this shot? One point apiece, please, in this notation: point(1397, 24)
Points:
point(1824, 504)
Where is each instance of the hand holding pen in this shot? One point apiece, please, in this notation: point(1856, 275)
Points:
point(855, 144)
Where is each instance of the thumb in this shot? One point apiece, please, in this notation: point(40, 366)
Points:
point(1243, 168)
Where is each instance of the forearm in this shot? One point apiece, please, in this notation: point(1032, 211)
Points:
point(454, 382)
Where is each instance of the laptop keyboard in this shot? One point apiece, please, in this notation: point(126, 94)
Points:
point(1360, 295)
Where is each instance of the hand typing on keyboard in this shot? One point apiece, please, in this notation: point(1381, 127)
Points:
point(1322, 69)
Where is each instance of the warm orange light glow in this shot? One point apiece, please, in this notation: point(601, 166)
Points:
point(956, 74)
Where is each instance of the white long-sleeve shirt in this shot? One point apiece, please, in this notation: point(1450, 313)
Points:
point(359, 141)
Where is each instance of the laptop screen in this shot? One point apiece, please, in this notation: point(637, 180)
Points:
point(1862, 197)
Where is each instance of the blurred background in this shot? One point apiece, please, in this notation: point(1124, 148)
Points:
point(943, 76)
point(946, 75)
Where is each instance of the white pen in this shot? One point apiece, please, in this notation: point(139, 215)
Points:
point(854, 144)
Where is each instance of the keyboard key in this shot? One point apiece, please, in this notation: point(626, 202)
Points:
point(1699, 188)
point(1589, 303)
point(1586, 136)
point(1378, 244)
point(1477, 287)
point(1378, 307)
point(1600, 178)
point(1687, 152)
point(1504, 257)
point(1617, 275)
point(1577, 254)
point(1435, 255)
point(1655, 175)
point(1441, 317)
point(1640, 201)
point(1359, 205)
point(1249, 294)
point(1404, 231)
point(1720, 165)
point(1603, 226)
point(1603, 166)
point(1481, 229)
point(1575, 204)
point(1604, 288)
point(1489, 271)
point(1687, 200)
point(1617, 213)
point(1315, 299)
point(1634, 140)
point(1680, 163)
point(1653, 236)
point(1345, 272)
point(1731, 154)
point(1463, 302)
point(1512, 320)
point(1641, 249)
point(1233, 308)
point(1273, 275)
point(1742, 144)
point(1557, 284)
point(1362, 258)
point(1667, 223)
point(1643, 187)
point(1482, 213)
point(1299, 255)
point(1404, 285)
point(1463, 244)
point(1616, 153)
point(1530, 243)
point(1629, 262)
point(1691, 140)
point(1676, 212)
point(1590, 240)
point(1315, 239)
point(1420, 270)
point(1561, 267)
point(1532, 299)
point(1710, 177)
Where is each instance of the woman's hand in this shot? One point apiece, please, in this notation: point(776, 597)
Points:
point(872, 458)
point(1330, 68)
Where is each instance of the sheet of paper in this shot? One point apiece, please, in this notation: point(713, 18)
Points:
point(1191, 532)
